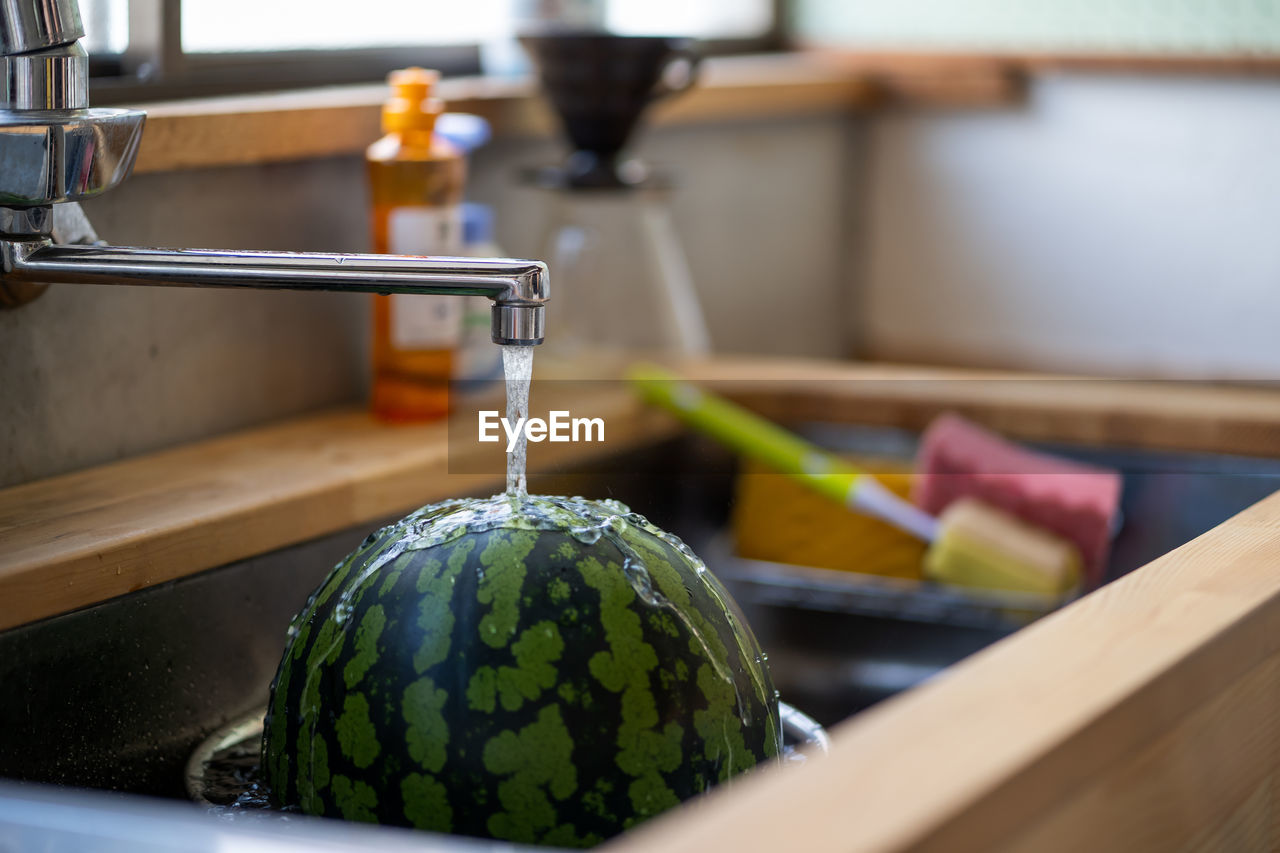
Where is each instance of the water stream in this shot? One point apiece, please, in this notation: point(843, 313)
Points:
point(517, 365)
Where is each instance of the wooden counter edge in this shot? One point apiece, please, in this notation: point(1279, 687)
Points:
point(1136, 413)
point(78, 539)
point(1145, 716)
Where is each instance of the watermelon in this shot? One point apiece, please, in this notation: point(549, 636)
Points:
point(538, 670)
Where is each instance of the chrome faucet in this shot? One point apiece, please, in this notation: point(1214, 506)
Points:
point(56, 151)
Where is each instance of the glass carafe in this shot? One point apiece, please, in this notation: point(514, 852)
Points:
point(620, 276)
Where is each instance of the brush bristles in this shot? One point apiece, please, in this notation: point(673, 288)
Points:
point(979, 546)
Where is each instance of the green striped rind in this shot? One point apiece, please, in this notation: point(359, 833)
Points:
point(516, 683)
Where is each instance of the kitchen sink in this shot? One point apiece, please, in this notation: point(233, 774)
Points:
point(116, 696)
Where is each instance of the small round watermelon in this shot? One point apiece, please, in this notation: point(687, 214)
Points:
point(539, 670)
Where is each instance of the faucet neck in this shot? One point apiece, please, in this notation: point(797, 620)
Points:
point(36, 25)
point(45, 67)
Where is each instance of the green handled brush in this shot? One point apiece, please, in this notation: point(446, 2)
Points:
point(971, 544)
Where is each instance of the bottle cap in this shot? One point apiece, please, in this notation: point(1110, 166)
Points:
point(466, 131)
point(411, 105)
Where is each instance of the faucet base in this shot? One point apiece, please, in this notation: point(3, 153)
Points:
point(64, 223)
point(50, 156)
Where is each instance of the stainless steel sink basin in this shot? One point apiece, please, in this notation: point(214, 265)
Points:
point(116, 696)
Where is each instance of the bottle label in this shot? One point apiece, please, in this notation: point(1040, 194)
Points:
point(425, 322)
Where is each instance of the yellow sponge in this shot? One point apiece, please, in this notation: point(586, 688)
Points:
point(978, 546)
point(778, 519)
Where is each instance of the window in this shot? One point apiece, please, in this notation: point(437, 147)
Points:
point(1099, 27)
point(168, 48)
point(106, 26)
point(217, 26)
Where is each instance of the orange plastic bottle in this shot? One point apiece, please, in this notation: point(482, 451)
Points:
point(416, 181)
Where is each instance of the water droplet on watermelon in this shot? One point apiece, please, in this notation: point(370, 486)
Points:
point(641, 582)
point(586, 535)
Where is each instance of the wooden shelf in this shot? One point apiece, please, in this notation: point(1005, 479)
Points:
point(342, 121)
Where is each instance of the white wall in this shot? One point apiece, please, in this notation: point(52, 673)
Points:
point(1113, 225)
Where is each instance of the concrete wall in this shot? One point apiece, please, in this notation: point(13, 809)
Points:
point(1113, 225)
point(91, 374)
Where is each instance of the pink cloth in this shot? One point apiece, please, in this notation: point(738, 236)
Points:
point(1078, 502)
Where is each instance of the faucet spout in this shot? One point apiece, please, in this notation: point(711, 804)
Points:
point(519, 288)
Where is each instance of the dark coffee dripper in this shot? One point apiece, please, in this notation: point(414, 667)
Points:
point(600, 85)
